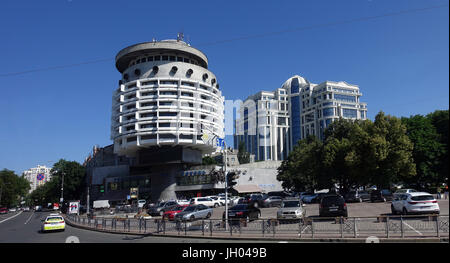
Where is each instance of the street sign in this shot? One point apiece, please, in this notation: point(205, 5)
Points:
point(74, 207)
point(40, 177)
point(220, 142)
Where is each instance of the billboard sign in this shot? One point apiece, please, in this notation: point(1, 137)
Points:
point(74, 207)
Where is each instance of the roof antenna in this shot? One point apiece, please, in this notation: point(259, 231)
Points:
point(180, 36)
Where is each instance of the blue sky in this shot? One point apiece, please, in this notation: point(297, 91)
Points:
point(396, 51)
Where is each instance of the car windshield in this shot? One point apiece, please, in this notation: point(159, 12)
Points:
point(422, 198)
point(54, 218)
point(189, 209)
point(239, 207)
point(291, 204)
point(328, 200)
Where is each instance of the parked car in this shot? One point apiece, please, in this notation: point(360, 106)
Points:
point(381, 195)
point(203, 201)
point(316, 199)
point(222, 201)
point(272, 201)
point(141, 203)
point(242, 211)
point(256, 200)
point(161, 208)
point(279, 193)
point(170, 214)
point(404, 191)
point(291, 208)
point(357, 196)
point(333, 205)
point(26, 209)
point(216, 200)
point(183, 202)
point(3, 210)
point(194, 212)
point(306, 197)
point(12, 209)
point(415, 203)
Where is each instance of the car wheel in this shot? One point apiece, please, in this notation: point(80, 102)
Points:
point(360, 200)
point(192, 218)
point(405, 212)
point(208, 215)
point(216, 205)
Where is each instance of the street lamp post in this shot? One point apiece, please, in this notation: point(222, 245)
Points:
point(224, 157)
point(62, 188)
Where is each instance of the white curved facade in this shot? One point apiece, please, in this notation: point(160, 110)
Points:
point(167, 96)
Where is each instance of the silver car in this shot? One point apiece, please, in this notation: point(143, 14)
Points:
point(194, 212)
point(291, 209)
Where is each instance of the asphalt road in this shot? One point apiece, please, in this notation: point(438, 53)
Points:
point(24, 227)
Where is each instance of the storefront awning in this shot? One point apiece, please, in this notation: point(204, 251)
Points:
point(247, 188)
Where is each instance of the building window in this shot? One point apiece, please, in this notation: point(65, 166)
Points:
point(328, 112)
point(349, 113)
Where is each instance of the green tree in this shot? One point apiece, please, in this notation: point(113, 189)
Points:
point(427, 152)
point(208, 160)
point(440, 120)
point(344, 153)
point(390, 152)
point(302, 170)
point(12, 187)
point(74, 180)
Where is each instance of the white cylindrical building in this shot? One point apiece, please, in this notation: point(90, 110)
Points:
point(167, 96)
point(167, 111)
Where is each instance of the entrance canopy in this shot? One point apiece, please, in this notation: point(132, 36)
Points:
point(247, 188)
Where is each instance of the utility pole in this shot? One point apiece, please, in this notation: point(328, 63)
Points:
point(87, 211)
point(62, 189)
point(226, 184)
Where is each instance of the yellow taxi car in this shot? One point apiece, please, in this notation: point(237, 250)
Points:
point(53, 222)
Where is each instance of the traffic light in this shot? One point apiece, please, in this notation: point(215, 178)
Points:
point(231, 177)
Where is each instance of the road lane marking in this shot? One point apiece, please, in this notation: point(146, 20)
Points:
point(412, 228)
point(28, 220)
point(11, 217)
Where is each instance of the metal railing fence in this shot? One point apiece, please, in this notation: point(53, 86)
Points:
point(312, 227)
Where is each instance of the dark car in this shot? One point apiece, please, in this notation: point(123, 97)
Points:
point(242, 211)
point(255, 200)
point(318, 198)
point(272, 201)
point(161, 208)
point(3, 210)
point(357, 196)
point(332, 206)
point(381, 195)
